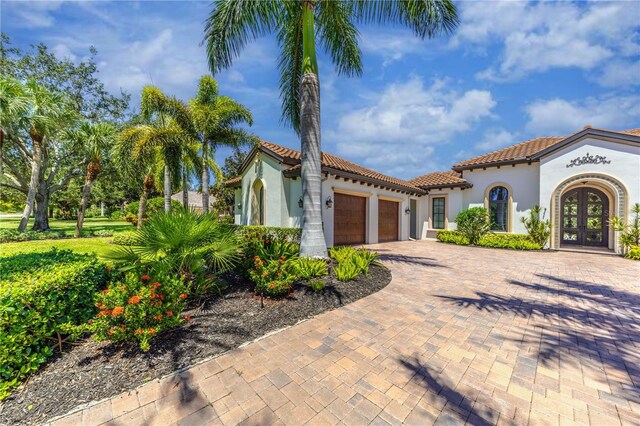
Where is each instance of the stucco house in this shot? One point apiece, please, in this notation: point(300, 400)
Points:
point(580, 181)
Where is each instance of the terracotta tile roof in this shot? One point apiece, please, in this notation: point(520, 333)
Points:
point(439, 179)
point(233, 181)
point(337, 163)
point(526, 149)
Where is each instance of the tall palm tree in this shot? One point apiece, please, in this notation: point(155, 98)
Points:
point(166, 136)
point(233, 23)
point(215, 118)
point(41, 114)
point(96, 138)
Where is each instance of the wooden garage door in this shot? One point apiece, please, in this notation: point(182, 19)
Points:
point(349, 219)
point(387, 220)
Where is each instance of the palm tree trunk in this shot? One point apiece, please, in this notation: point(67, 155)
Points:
point(36, 164)
point(312, 243)
point(205, 179)
point(83, 206)
point(167, 189)
point(185, 188)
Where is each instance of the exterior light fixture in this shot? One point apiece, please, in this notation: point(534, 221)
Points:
point(239, 206)
point(407, 211)
point(329, 202)
point(300, 203)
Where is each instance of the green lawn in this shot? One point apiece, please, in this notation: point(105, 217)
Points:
point(69, 226)
point(98, 245)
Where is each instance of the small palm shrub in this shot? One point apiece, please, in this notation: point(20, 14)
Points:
point(351, 262)
point(473, 223)
point(629, 233)
point(183, 242)
point(539, 230)
point(138, 307)
point(308, 268)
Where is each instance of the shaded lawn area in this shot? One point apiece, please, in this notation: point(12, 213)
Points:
point(98, 245)
point(69, 226)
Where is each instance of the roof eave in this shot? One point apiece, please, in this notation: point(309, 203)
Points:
point(607, 134)
point(461, 185)
point(514, 161)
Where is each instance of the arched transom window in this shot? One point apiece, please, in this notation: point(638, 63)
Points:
point(499, 208)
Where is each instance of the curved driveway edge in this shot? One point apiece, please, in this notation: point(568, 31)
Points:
point(460, 335)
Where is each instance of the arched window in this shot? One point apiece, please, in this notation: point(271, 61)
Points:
point(499, 208)
point(258, 203)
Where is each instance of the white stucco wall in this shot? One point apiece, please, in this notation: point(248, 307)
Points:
point(624, 168)
point(524, 180)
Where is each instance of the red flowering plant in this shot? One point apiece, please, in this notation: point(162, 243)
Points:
point(273, 277)
point(138, 307)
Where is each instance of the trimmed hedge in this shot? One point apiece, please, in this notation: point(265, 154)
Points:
point(508, 241)
point(42, 296)
point(124, 239)
point(13, 235)
point(291, 235)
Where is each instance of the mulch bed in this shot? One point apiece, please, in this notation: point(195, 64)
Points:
point(96, 370)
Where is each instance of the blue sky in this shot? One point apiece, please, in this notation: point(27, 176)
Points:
point(512, 70)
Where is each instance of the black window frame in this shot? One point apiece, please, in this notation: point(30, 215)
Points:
point(496, 205)
point(439, 216)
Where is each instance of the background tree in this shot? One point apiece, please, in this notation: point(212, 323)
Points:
point(62, 161)
point(232, 24)
point(224, 194)
point(96, 139)
point(216, 119)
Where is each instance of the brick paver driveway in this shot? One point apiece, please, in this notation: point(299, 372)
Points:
point(461, 335)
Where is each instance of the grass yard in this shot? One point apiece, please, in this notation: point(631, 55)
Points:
point(69, 226)
point(97, 245)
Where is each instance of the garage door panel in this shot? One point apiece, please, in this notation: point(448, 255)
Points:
point(388, 215)
point(349, 220)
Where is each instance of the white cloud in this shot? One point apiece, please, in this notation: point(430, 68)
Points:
point(494, 139)
point(619, 73)
point(397, 132)
point(62, 51)
point(539, 36)
point(37, 14)
point(391, 46)
point(560, 116)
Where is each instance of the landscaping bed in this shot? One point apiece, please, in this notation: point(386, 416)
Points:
point(93, 371)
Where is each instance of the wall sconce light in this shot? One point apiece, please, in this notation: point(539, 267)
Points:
point(407, 211)
point(239, 206)
point(329, 202)
point(300, 203)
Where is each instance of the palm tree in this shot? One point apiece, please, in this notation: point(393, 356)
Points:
point(233, 23)
point(40, 113)
point(166, 137)
point(96, 139)
point(14, 106)
point(215, 118)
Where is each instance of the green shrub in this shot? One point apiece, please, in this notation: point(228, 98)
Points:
point(139, 307)
point(307, 268)
point(317, 285)
point(473, 223)
point(124, 238)
point(102, 233)
point(116, 215)
point(538, 229)
point(509, 241)
point(453, 237)
point(42, 296)
point(273, 277)
point(347, 271)
point(291, 235)
point(154, 205)
point(633, 253)
point(364, 258)
point(342, 254)
point(13, 235)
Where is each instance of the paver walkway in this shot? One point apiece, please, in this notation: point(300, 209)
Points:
point(461, 335)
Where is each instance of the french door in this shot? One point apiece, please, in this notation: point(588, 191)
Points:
point(585, 214)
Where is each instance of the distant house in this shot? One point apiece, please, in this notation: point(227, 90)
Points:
point(580, 181)
point(195, 200)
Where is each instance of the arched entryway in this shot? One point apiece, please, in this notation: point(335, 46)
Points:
point(585, 217)
point(258, 203)
point(582, 207)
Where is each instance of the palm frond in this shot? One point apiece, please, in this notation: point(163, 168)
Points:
point(339, 36)
point(290, 66)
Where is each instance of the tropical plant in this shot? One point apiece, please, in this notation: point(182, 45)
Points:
point(473, 223)
point(152, 206)
point(342, 254)
point(629, 232)
point(307, 268)
point(232, 24)
point(273, 277)
point(216, 119)
point(347, 271)
point(183, 242)
point(317, 285)
point(96, 139)
point(139, 307)
point(539, 230)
